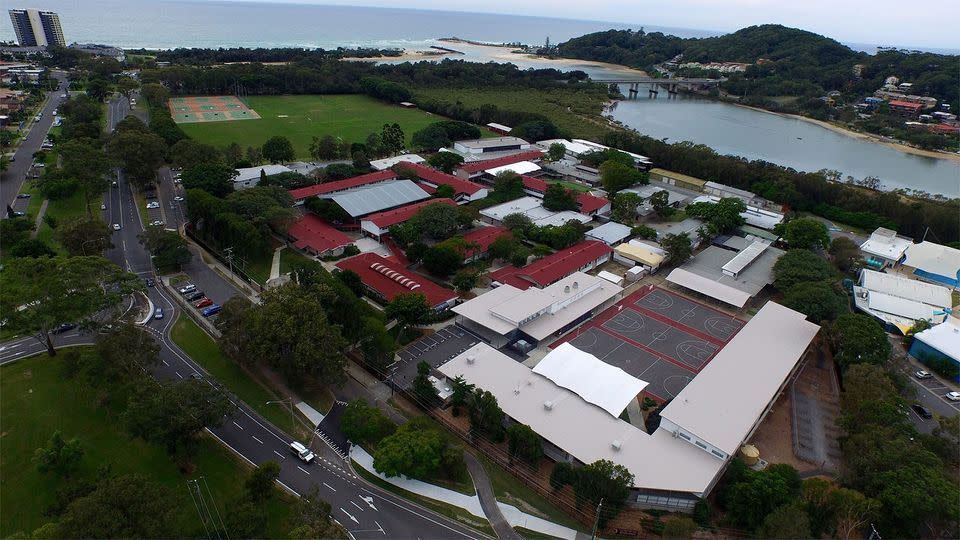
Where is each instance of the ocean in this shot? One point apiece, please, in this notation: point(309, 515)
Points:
point(166, 24)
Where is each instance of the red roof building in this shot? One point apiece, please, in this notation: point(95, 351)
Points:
point(378, 224)
point(386, 280)
point(944, 129)
point(587, 203)
point(464, 190)
point(315, 236)
point(552, 268)
point(300, 194)
point(905, 107)
point(482, 238)
point(476, 167)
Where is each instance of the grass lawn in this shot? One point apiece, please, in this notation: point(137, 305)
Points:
point(289, 256)
point(453, 512)
point(533, 535)
point(259, 267)
point(300, 118)
point(204, 350)
point(61, 210)
point(573, 110)
point(36, 401)
point(571, 185)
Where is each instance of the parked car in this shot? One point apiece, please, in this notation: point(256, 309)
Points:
point(188, 288)
point(158, 313)
point(17, 213)
point(921, 374)
point(952, 396)
point(116, 226)
point(302, 452)
point(148, 282)
point(103, 206)
point(922, 411)
point(54, 112)
point(212, 310)
point(67, 326)
point(156, 223)
point(196, 376)
point(152, 205)
point(178, 198)
point(23, 195)
point(196, 295)
point(204, 302)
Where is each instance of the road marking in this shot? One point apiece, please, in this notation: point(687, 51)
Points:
point(178, 374)
point(369, 501)
point(279, 454)
point(165, 363)
point(256, 439)
point(328, 486)
point(349, 516)
point(304, 470)
point(357, 505)
point(238, 425)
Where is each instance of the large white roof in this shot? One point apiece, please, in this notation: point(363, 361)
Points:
point(520, 167)
point(610, 232)
point(249, 173)
point(709, 287)
point(585, 431)
point(934, 258)
point(386, 163)
point(903, 307)
point(943, 337)
point(532, 207)
point(911, 289)
point(597, 382)
point(886, 244)
point(725, 400)
point(745, 257)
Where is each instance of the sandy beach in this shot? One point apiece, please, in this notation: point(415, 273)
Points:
point(407, 56)
point(506, 54)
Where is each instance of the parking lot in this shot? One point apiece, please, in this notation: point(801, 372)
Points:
point(938, 389)
point(435, 349)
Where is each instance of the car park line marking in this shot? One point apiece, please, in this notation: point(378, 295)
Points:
point(178, 374)
point(238, 425)
point(349, 516)
point(328, 486)
point(165, 363)
point(303, 470)
point(256, 439)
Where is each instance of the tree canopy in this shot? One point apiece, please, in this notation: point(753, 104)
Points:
point(859, 339)
point(798, 266)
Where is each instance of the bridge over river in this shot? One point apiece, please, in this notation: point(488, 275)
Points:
point(655, 84)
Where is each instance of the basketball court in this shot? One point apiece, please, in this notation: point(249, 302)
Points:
point(194, 109)
point(657, 336)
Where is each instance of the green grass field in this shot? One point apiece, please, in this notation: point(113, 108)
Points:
point(35, 401)
point(351, 117)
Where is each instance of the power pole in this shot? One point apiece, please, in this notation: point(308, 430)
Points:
point(596, 521)
point(229, 256)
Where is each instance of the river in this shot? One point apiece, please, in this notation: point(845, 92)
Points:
point(792, 142)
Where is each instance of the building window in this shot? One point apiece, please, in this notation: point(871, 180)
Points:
point(684, 435)
point(700, 444)
point(718, 454)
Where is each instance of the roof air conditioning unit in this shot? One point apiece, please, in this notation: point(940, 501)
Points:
point(616, 444)
point(576, 285)
point(676, 434)
point(548, 405)
point(471, 359)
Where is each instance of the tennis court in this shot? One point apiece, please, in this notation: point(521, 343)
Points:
point(194, 109)
point(657, 336)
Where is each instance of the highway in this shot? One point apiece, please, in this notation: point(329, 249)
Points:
point(364, 510)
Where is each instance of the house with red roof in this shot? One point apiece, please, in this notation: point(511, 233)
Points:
point(464, 191)
point(577, 258)
point(384, 280)
point(474, 169)
point(480, 239)
point(314, 236)
point(905, 108)
point(588, 204)
point(301, 194)
point(377, 225)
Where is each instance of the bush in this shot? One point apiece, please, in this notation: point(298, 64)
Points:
point(562, 474)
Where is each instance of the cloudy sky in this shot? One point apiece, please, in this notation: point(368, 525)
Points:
point(883, 22)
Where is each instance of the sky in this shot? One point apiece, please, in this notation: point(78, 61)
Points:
point(880, 22)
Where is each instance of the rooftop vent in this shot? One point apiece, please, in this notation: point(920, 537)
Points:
point(548, 405)
point(616, 444)
point(471, 359)
point(576, 285)
point(566, 289)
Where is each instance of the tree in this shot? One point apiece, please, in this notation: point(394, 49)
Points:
point(851, 511)
point(678, 248)
point(98, 88)
point(261, 484)
point(517, 223)
point(60, 456)
point(422, 389)
point(31, 247)
point(755, 496)
point(408, 309)
point(503, 246)
point(324, 148)
point(291, 332)
point(445, 161)
point(392, 138)
point(644, 231)
point(173, 413)
point(377, 345)
point(187, 153)
point(84, 160)
point(465, 280)
point(140, 153)
point(124, 355)
point(462, 391)
point(311, 518)
point(430, 138)
point(214, 178)
point(624, 207)
point(254, 155)
point(797, 266)
point(485, 413)
point(80, 236)
point(127, 506)
point(680, 528)
point(232, 154)
point(558, 198)
point(660, 201)
point(507, 186)
point(524, 443)
point(363, 424)
point(787, 522)
point(722, 216)
point(918, 325)
point(603, 480)
point(231, 323)
point(616, 176)
point(859, 339)
point(444, 191)
point(442, 260)
point(278, 149)
point(556, 152)
point(439, 221)
point(818, 300)
point(39, 294)
point(413, 450)
point(804, 233)
point(844, 252)
point(535, 130)
point(168, 248)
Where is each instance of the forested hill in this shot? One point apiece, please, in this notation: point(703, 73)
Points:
point(797, 62)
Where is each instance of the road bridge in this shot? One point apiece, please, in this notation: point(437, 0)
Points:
point(672, 86)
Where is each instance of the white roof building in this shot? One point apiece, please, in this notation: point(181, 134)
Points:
point(611, 233)
point(532, 207)
point(900, 301)
point(249, 176)
point(885, 245)
point(595, 381)
point(492, 144)
point(370, 198)
point(934, 262)
point(520, 167)
point(726, 275)
point(386, 163)
point(943, 337)
point(575, 147)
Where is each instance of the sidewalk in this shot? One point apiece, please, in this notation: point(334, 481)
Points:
point(513, 516)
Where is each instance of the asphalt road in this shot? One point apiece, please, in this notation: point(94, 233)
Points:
point(364, 510)
point(11, 180)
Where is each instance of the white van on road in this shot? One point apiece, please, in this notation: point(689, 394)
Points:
point(302, 452)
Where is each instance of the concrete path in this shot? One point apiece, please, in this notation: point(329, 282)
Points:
point(40, 213)
point(488, 500)
point(471, 504)
point(313, 415)
point(275, 265)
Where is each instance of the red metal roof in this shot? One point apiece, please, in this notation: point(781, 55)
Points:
point(588, 203)
point(944, 128)
point(552, 268)
point(460, 187)
point(340, 185)
point(311, 232)
point(390, 280)
point(484, 236)
point(389, 218)
point(905, 104)
point(477, 166)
